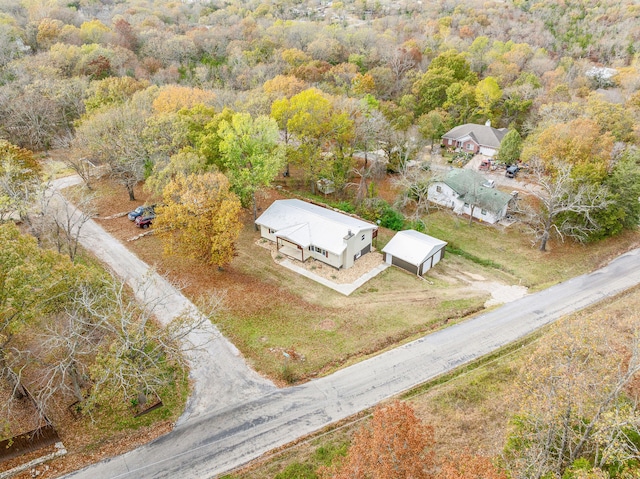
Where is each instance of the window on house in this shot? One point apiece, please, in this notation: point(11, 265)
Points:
point(362, 238)
point(484, 212)
point(466, 205)
point(439, 189)
point(469, 146)
point(317, 249)
point(271, 231)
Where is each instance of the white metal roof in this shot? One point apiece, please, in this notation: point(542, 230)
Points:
point(306, 224)
point(412, 246)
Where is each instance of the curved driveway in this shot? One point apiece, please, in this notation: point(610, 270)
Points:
point(261, 418)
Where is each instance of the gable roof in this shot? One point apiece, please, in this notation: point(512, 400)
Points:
point(483, 135)
point(413, 247)
point(469, 186)
point(306, 224)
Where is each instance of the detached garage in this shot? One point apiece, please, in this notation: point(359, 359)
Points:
point(414, 251)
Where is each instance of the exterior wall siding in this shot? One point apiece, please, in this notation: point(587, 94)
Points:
point(431, 261)
point(359, 244)
point(469, 147)
point(449, 198)
point(331, 259)
point(412, 268)
point(264, 232)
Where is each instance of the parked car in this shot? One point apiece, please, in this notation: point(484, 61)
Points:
point(139, 211)
point(145, 220)
point(511, 172)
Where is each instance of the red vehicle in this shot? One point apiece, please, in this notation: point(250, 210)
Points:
point(144, 221)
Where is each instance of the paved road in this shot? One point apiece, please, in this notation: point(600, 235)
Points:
point(219, 374)
point(208, 445)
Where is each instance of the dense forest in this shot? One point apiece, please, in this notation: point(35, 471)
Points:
point(212, 100)
point(145, 86)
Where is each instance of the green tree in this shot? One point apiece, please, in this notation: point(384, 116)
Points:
point(623, 186)
point(251, 154)
point(186, 162)
point(199, 218)
point(318, 126)
point(430, 89)
point(456, 63)
point(206, 136)
point(478, 53)
point(433, 125)
point(510, 148)
point(112, 91)
point(461, 102)
point(34, 283)
point(488, 93)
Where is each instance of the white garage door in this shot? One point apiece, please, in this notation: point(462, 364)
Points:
point(487, 151)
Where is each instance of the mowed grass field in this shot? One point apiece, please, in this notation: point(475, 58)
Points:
point(270, 310)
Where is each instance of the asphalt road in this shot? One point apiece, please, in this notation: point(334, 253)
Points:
point(207, 445)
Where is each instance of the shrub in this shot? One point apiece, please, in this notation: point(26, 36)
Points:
point(376, 209)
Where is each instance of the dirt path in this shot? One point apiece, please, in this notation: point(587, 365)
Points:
point(220, 376)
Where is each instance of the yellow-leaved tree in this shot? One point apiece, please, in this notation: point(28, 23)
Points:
point(199, 218)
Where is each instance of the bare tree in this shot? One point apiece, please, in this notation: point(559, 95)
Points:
point(560, 194)
point(401, 146)
point(574, 399)
point(115, 137)
point(367, 175)
point(66, 347)
point(134, 366)
point(67, 220)
point(414, 184)
point(83, 167)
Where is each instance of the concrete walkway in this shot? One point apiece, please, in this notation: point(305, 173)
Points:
point(346, 288)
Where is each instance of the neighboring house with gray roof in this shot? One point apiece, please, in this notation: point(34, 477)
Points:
point(472, 138)
point(302, 230)
point(468, 193)
point(414, 251)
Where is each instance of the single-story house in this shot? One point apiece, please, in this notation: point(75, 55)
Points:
point(483, 139)
point(302, 230)
point(468, 192)
point(414, 251)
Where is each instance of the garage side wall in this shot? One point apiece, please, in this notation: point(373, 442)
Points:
point(412, 268)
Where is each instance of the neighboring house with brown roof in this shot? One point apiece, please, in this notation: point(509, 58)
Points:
point(472, 138)
point(302, 230)
point(468, 193)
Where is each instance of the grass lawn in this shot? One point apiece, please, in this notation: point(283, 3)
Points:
point(272, 310)
point(469, 409)
point(511, 251)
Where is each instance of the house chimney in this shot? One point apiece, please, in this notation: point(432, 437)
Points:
point(487, 123)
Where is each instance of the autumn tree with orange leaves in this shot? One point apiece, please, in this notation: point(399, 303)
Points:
point(468, 466)
point(395, 444)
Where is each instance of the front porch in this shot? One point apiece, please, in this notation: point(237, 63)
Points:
point(290, 249)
